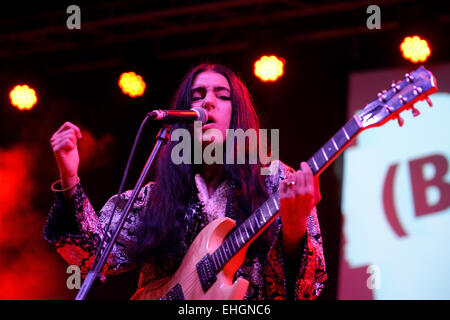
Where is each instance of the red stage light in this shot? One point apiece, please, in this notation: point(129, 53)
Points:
point(132, 84)
point(23, 97)
point(269, 68)
point(415, 49)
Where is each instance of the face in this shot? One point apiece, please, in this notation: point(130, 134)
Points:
point(211, 91)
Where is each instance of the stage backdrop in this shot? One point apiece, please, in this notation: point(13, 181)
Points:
point(396, 197)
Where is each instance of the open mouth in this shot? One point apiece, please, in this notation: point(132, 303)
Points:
point(209, 122)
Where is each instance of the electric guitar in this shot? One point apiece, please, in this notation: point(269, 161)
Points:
point(208, 268)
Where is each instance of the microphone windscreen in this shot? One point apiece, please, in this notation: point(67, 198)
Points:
point(203, 114)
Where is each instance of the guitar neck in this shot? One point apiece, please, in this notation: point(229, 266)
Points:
point(330, 150)
point(264, 215)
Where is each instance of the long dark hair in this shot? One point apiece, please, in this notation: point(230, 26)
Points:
point(164, 219)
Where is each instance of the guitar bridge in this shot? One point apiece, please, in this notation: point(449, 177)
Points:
point(206, 272)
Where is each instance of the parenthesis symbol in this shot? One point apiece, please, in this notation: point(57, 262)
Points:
point(388, 202)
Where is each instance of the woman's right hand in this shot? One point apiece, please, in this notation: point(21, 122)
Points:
point(65, 150)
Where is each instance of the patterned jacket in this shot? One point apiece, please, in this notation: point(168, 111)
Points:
point(76, 230)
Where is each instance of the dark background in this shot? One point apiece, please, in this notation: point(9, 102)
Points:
point(75, 73)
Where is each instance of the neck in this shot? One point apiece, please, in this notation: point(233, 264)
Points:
point(212, 175)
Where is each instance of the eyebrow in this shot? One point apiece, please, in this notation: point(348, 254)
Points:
point(202, 88)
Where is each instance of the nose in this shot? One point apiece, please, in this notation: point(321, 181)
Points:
point(209, 102)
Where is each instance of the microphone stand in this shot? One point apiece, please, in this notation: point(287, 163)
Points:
point(94, 273)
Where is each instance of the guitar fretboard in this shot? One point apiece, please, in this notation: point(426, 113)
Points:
point(330, 150)
point(246, 231)
point(265, 214)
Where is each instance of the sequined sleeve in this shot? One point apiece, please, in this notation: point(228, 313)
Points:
point(76, 230)
point(311, 274)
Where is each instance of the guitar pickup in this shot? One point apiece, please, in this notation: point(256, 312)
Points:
point(206, 272)
point(175, 294)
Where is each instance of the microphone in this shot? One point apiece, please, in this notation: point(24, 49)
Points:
point(171, 116)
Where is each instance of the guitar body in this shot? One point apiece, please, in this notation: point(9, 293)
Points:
point(186, 280)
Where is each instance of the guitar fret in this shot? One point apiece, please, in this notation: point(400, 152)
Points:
point(232, 245)
point(242, 238)
point(340, 139)
point(345, 132)
point(330, 149)
point(250, 228)
point(324, 154)
point(224, 254)
point(276, 204)
point(217, 261)
point(256, 220)
point(245, 228)
point(251, 225)
point(315, 164)
point(262, 215)
point(214, 259)
point(268, 209)
point(334, 144)
point(221, 259)
point(236, 240)
point(228, 252)
point(321, 160)
point(353, 126)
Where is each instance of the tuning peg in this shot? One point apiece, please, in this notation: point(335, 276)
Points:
point(400, 121)
point(395, 86)
point(381, 96)
point(415, 112)
point(409, 77)
point(417, 90)
point(389, 109)
point(402, 99)
point(429, 101)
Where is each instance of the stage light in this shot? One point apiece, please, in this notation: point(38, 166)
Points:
point(269, 68)
point(132, 84)
point(415, 49)
point(23, 97)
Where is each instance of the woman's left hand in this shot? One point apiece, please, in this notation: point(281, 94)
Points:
point(299, 194)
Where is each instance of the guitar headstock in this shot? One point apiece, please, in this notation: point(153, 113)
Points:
point(402, 95)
